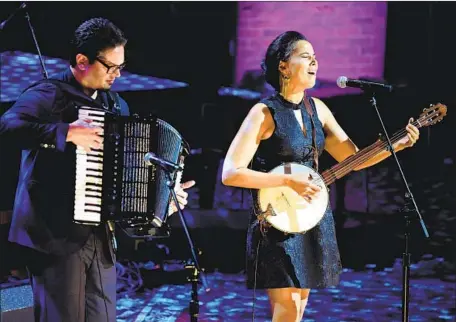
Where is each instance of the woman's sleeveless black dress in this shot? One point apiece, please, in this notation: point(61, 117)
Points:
point(276, 259)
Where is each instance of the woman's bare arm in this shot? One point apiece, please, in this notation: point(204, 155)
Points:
point(339, 145)
point(258, 125)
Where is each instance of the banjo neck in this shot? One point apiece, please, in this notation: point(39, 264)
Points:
point(430, 116)
point(345, 167)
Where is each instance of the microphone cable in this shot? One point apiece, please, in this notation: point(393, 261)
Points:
point(255, 281)
point(257, 252)
point(257, 248)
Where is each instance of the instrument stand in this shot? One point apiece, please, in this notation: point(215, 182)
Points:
point(194, 265)
point(194, 302)
point(409, 200)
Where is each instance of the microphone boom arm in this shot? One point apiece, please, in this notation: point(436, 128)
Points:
point(43, 67)
point(11, 16)
point(23, 6)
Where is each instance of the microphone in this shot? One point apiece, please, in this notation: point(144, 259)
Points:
point(150, 158)
point(3, 23)
point(343, 82)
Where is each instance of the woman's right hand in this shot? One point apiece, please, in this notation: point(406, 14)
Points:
point(301, 183)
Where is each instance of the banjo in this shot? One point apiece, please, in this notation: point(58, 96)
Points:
point(289, 212)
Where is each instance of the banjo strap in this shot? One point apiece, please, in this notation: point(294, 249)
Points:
point(314, 135)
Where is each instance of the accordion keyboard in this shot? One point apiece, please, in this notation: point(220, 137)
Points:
point(89, 174)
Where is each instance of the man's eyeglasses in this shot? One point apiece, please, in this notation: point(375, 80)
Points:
point(111, 69)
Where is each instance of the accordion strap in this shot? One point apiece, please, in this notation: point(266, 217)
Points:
point(110, 100)
point(72, 92)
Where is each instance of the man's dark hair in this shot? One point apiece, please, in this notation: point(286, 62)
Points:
point(94, 36)
point(280, 49)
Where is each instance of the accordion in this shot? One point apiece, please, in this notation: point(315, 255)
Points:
point(115, 183)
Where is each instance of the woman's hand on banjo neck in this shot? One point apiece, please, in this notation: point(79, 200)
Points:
point(301, 183)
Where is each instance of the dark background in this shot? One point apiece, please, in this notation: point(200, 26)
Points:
point(193, 42)
point(190, 42)
point(185, 41)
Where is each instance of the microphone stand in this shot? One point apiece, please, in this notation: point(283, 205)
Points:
point(27, 16)
point(409, 200)
point(43, 68)
point(194, 266)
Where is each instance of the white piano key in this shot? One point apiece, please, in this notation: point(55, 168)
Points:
point(88, 216)
point(94, 158)
point(93, 187)
point(89, 111)
point(94, 166)
point(93, 194)
point(82, 208)
point(93, 201)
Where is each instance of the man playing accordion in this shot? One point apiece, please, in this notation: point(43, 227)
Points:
point(71, 266)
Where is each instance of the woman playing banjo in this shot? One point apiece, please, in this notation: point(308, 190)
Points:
point(289, 127)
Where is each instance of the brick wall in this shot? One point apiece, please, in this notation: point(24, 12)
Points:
point(348, 37)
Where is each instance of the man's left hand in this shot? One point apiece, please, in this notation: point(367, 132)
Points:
point(181, 196)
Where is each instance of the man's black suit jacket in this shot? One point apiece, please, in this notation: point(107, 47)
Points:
point(38, 123)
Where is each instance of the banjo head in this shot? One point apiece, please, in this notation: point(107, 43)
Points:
point(286, 210)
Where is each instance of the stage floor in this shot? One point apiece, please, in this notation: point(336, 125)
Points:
point(361, 296)
point(146, 293)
